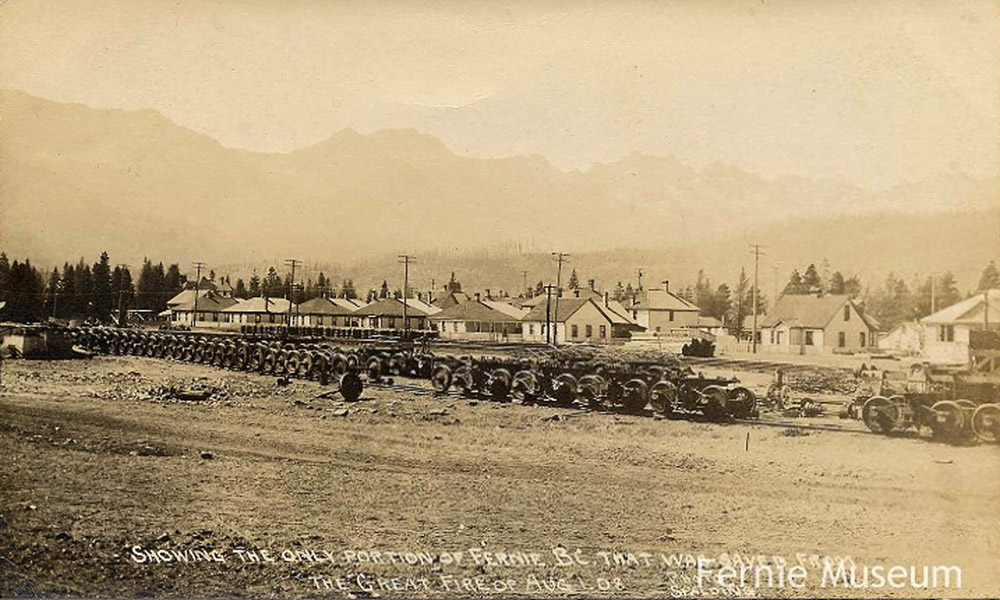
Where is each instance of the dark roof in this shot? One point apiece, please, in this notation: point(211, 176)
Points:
point(207, 302)
point(473, 310)
point(567, 306)
point(322, 306)
point(451, 299)
point(812, 312)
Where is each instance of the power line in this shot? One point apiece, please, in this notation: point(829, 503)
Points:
point(756, 270)
point(406, 259)
point(197, 282)
point(560, 257)
point(291, 287)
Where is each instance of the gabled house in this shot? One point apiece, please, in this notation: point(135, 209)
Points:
point(323, 312)
point(573, 320)
point(660, 310)
point(210, 310)
point(906, 339)
point(258, 311)
point(477, 320)
point(387, 313)
point(946, 337)
point(810, 324)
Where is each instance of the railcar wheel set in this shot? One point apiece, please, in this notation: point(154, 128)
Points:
point(672, 389)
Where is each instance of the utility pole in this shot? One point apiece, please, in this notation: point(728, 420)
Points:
point(774, 297)
point(406, 259)
point(933, 297)
point(560, 257)
point(197, 282)
point(524, 283)
point(430, 296)
point(548, 315)
point(756, 270)
point(122, 308)
point(291, 287)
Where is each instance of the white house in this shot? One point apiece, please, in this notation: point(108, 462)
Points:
point(946, 338)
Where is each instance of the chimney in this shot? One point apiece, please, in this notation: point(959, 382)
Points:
point(488, 294)
point(666, 285)
point(477, 296)
point(606, 295)
point(590, 282)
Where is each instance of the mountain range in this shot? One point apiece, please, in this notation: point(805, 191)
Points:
point(75, 181)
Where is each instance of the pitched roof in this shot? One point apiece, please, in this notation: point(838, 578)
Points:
point(323, 306)
point(704, 321)
point(207, 302)
point(567, 307)
point(801, 310)
point(968, 311)
point(473, 311)
point(507, 308)
point(258, 305)
point(182, 297)
point(618, 313)
point(351, 305)
point(451, 299)
point(203, 285)
point(663, 300)
point(393, 307)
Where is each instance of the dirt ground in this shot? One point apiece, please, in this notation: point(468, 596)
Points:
point(100, 471)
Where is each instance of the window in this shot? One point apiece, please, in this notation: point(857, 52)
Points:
point(588, 331)
point(670, 315)
point(946, 333)
point(574, 331)
point(809, 338)
point(657, 329)
point(531, 329)
point(847, 312)
point(841, 339)
point(861, 338)
point(604, 331)
point(454, 326)
point(772, 336)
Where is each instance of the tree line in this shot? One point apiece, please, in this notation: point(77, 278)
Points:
point(83, 291)
point(894, 300)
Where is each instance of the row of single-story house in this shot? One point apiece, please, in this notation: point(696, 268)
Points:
point(582, 318)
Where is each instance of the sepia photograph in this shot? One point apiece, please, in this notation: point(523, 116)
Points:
point(338, 299)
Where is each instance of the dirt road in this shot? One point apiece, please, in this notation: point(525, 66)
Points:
point(99, 472)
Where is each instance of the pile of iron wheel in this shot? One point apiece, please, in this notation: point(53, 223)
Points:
point(300, 360)
point(622, 387)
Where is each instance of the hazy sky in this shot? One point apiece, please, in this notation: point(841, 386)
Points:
point(877, 92)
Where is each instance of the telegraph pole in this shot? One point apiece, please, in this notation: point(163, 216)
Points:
point(933, 298)
point(756, 270)
point(548, 314)
point(406, 259)
point(430, 296)
point(560, 257)
point(197, 282)
point(122, 309)
point(524, 282)
point(291, 288)
point(774, 298)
